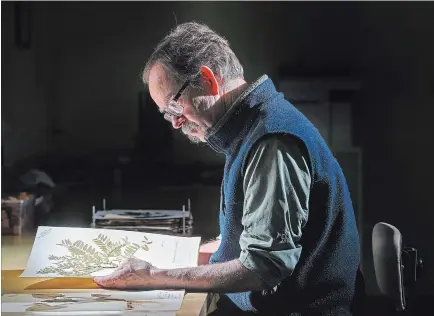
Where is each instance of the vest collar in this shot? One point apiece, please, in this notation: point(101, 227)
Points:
point(228, 130)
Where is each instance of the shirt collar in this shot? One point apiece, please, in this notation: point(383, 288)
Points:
point(213, 131)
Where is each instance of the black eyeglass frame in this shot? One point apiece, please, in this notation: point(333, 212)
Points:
point(174, 109)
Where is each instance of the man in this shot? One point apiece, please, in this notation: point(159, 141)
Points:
point(289, 241)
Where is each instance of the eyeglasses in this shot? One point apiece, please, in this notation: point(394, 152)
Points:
point(174, 109)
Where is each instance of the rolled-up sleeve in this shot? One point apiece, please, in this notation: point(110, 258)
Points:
point(276, 188)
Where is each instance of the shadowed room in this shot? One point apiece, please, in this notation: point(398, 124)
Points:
point(81, 132)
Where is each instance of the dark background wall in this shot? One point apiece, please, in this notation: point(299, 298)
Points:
point(75, 90)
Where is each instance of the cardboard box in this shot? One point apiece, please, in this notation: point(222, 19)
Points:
point(17, 215)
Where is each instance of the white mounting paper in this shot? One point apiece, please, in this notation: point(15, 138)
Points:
point(88, 252)
point(98, 301)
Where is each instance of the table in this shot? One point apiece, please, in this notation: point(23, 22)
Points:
point(15, 252)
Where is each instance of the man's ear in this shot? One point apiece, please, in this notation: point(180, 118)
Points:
point(210, 80)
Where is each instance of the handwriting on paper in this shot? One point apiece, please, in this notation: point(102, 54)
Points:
point(44, 233)
point(170, 295)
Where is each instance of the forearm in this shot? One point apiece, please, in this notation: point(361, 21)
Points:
point(227, 277)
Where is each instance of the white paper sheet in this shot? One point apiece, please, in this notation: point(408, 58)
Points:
point(87, 252)
point(98, 301)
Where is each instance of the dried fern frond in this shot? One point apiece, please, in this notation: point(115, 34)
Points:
point(84, 259)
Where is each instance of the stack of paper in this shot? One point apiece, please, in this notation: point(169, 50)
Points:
point(171, 222)
point(60, 252)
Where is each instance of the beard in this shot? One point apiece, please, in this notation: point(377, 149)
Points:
point(187, 128)
point(199, 105)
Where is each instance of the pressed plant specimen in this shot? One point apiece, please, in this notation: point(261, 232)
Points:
point(83, 259)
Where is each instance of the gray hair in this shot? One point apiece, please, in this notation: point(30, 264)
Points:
point(188, 47)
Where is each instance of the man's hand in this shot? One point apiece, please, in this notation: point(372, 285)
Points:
point(131, 274)
point(227, 277)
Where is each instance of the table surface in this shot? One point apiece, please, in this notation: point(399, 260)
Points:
point(15, 252)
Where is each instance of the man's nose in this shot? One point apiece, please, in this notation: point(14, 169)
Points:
point(177, 121)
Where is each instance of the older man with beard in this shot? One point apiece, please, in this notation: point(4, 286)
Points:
point(289, 242)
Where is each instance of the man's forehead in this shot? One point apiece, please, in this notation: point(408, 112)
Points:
point(159, 85)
